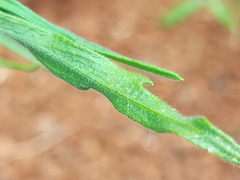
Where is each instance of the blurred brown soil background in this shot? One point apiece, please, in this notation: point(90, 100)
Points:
point(50, 130)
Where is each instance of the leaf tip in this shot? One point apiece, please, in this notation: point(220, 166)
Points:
point(173, 76)
point(180, 79)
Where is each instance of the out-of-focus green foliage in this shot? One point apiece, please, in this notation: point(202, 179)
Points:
point(185, 9)
point(19, 50)
point(180, 12)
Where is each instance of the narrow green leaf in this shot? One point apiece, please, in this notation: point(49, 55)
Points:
point(143, 66)
point(28, 15)
point(84, 68)
point(238, 3)
point(18, 66)
point(16, 48)
point(180, 12)
point(222, 13)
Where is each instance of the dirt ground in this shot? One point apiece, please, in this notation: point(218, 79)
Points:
point(50, 130)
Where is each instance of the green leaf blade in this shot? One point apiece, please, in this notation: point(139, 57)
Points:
point(28, 15)
point(84, 68)
point(18, 66)
point(180, 12)
point(222, 13)
point(14, 47)
point(143, 66)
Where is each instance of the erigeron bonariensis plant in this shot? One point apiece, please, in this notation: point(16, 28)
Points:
point(86, 65)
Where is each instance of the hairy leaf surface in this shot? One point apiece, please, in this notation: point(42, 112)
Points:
point(86, 65)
